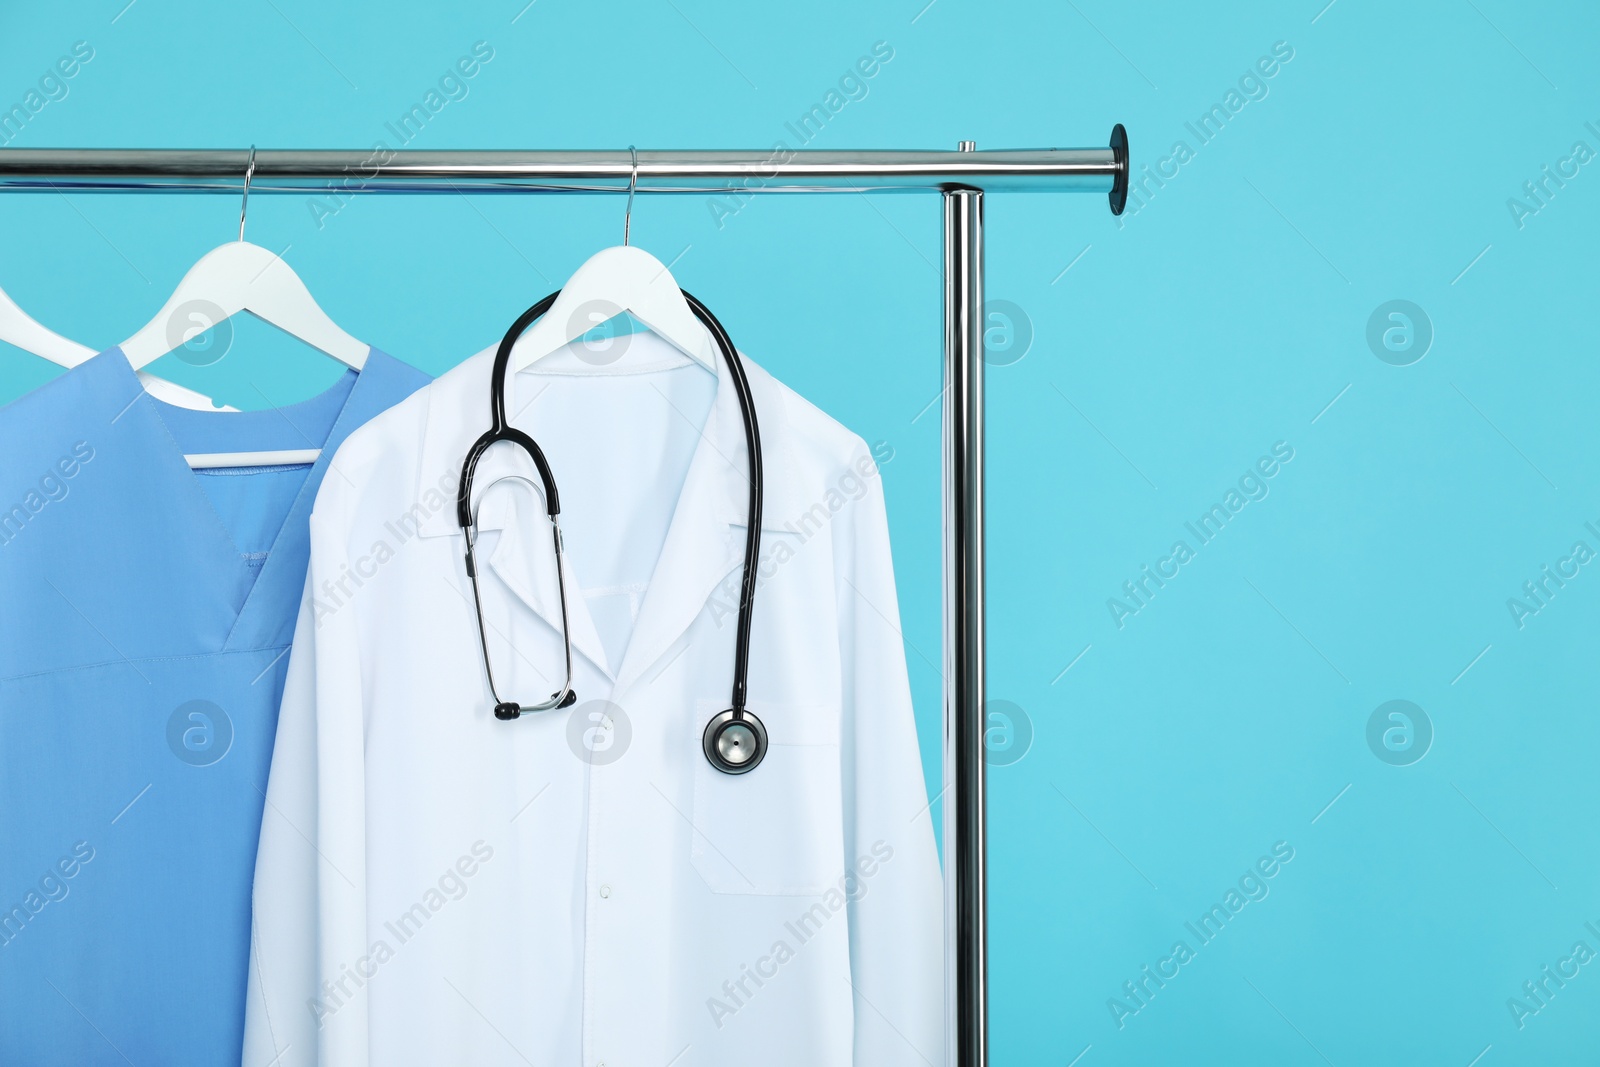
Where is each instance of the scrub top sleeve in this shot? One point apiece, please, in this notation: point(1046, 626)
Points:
point(308, 937)
point(892, 866)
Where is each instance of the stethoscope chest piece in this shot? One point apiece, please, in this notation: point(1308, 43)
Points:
point(735, 741)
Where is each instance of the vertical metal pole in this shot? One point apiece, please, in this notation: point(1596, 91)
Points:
point(965, 846)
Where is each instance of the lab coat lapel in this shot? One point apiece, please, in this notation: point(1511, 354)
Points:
point(524, 556)
point(701, 547)
point(705, 539)
point(519, 563)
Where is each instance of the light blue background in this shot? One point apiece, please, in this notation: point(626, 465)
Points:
point(1225, 314)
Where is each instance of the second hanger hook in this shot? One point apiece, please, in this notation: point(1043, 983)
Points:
point(244, 202)
point(633, 184)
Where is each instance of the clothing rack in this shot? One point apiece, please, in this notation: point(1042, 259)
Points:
point(961, 177)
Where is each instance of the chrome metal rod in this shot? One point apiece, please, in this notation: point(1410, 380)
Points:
point(965, 843)
point(961, 176)
point(380, 170)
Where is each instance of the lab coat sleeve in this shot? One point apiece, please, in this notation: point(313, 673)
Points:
point(305, 1002)
point(896, 935)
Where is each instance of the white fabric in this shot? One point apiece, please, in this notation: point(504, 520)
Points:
point(435, 886)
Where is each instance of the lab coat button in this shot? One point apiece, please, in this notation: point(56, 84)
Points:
point(605, 891)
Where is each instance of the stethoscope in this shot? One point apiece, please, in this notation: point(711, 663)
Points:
point(734, 741)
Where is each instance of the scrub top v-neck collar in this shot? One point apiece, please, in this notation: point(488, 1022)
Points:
point(263, 602)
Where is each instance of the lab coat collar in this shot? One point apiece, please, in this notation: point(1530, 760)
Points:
point(705, 538)
point(523, 558)
point(523, 552)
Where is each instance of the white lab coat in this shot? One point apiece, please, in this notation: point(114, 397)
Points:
point(581, 887)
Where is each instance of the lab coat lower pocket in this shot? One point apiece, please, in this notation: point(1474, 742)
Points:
point(778, 829)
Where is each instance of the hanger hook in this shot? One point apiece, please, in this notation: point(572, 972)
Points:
point(244, 201)
point(633, 183)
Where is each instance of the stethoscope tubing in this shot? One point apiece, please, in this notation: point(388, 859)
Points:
point(752, 542)
point(501, 430)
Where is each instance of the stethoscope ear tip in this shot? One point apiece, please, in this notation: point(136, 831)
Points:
point(507, 710)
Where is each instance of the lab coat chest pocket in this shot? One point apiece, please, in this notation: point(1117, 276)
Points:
point(776, 830)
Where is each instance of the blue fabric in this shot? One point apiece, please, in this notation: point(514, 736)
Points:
point(149, 611)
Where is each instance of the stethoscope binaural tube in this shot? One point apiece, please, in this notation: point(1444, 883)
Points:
point(565, 696)
point(466, 516)
point(735, 740)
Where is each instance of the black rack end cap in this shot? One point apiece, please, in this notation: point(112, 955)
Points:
point(1119, 186)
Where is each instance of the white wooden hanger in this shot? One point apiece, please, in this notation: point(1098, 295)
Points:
point(614, 280)
point(21, 330)
point(239, 276)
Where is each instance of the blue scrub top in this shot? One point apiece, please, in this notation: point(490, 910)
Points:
point(149, 610)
